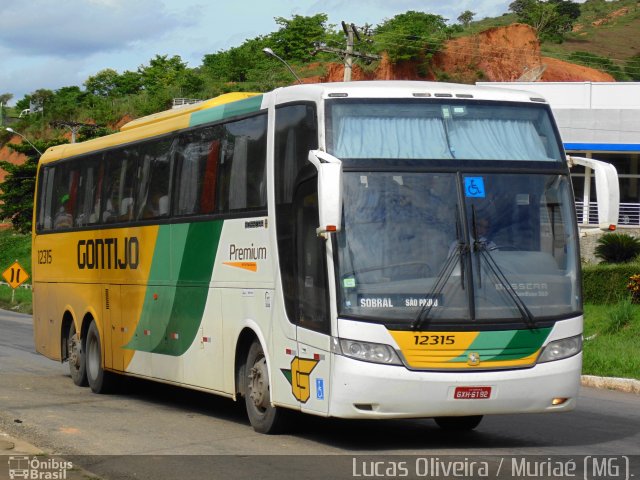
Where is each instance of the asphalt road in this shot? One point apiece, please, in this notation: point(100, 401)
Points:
point(160, 425)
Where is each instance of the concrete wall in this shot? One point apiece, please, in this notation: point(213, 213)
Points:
point(588, 242)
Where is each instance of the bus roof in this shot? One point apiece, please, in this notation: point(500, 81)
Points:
point(237, 103)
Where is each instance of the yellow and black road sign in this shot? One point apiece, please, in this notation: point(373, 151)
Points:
point(15, 275)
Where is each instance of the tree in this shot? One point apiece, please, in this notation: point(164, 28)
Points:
point(162, 72)
point(65, 102)
point(4, 99)
point(551, 19)
point(466, 17)
point(102, 83)
point(295, 37)
point(411, 35)
point(16, 192)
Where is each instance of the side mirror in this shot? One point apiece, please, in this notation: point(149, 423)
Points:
point(329, 190)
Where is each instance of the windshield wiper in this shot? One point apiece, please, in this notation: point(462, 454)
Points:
point(441, 280)
point(457, 253)
point(527, 316)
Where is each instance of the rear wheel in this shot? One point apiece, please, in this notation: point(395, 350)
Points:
point(264, 417)
point(99, 380)
point(77, 366)
point(459, 424)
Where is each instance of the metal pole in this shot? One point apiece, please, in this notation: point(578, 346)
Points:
point(9, 129)
point(271, 53)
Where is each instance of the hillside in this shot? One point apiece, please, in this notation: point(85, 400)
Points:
point(609, 29)
point(498, 54)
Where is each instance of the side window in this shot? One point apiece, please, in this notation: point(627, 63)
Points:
point(122, 181)
point(84, 213)
point(198, 155)
point(296, 134)
point(154, 179)
point(45, 199)
point(65, 195)
point(242, 176)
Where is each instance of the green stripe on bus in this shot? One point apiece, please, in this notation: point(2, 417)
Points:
point(214, 114)
point(171, 318)
point(193, 287)
point(505, 345)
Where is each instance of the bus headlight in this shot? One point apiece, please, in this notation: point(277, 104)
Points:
point(365, 351)
point(567, 347)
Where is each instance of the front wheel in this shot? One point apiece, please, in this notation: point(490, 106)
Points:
point(264, 417)
point(459, 424)
point(77, 365)
point(99, 380)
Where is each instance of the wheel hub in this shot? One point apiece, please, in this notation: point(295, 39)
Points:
point(74, 351)
point(259, 384)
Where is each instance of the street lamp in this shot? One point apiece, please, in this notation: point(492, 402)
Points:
point(11, 130)
point(270, 53)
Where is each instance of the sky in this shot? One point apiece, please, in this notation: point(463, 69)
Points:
point(53, 44)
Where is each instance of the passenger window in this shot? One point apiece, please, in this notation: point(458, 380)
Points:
point(242, 176)
point(123, 179)
point(155, 175)
point(198, 154)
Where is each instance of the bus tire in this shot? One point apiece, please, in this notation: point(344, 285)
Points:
point(99, 380)
point(75, 355)
point(458, 424)
point(264, 417)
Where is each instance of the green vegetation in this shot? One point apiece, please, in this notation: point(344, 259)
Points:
point(617, 248)
point(15, 246)
point(606, 284)
point(611, 340)
point(551, 19)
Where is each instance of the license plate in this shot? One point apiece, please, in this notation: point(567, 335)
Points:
point(472, 393)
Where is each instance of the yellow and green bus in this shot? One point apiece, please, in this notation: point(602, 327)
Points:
point(357, 250)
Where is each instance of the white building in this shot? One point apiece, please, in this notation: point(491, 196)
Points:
point(597, 120)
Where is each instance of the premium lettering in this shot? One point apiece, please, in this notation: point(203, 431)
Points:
point(247, 253)
point(109, 253)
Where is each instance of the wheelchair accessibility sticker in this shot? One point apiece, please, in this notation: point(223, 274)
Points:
point(474, 187)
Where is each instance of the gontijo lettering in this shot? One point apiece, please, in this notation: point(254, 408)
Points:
point(109, 253)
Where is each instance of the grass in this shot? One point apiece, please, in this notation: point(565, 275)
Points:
point(21, 299)
point(611, 340)
point(15, 246)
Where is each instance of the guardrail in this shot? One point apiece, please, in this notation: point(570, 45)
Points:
point(629, 214)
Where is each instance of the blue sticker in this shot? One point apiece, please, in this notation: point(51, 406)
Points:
point(319, 388)
point(474, 187)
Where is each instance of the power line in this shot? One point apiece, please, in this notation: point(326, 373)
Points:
point(348, 54)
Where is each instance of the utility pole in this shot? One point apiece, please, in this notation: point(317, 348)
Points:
point(351, 32)
point(73, 126)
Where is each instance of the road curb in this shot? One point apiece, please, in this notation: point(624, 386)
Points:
point(628, 385)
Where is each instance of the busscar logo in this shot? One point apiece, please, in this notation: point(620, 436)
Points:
point(38, 468)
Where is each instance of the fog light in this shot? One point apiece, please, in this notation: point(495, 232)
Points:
point(558, 401)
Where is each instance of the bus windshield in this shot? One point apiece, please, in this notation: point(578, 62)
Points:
point(420, 129)
point(447, 247)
